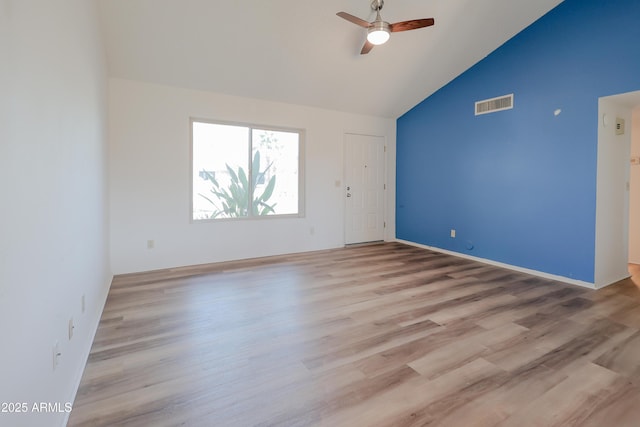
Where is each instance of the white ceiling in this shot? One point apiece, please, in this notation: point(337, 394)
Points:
point(300, 52)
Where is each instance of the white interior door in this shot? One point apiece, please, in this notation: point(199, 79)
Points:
point(364, 188)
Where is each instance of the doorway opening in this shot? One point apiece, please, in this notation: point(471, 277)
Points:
point(618, 189)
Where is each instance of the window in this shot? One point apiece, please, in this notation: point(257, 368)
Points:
point(245, 171)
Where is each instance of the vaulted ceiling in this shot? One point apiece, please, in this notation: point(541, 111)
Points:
point(300, 52)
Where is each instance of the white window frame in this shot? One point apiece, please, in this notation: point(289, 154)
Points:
point(251, 126)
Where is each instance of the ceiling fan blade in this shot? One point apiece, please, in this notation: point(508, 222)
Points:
point(354, 19)
point(413, 24)
point(366, 48)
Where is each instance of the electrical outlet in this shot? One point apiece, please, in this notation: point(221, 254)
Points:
point(453, 233)
point(56, 355)
point(71, 328)
point(151, 244)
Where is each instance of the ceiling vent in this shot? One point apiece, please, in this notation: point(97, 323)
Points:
point(494, 104)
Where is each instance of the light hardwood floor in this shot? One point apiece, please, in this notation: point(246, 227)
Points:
point(380, 335)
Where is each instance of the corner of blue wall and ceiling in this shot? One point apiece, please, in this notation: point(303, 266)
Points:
point(519, 186)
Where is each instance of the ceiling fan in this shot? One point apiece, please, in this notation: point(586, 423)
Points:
point(379, 31)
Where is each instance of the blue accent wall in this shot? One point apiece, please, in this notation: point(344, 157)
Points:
point(519, 186)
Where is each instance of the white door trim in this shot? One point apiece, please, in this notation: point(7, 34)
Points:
point(382, 165)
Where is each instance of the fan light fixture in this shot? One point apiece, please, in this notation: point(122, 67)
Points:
point(378, 33)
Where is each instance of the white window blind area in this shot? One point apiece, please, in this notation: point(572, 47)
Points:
point(494, 104)
point(242, 171)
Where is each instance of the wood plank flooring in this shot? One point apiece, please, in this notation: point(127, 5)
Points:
point(380, 335)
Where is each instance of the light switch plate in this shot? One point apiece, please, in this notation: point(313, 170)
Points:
point(619, 126)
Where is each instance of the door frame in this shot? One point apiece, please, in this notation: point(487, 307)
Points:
point(385, 197)
point(614, 155)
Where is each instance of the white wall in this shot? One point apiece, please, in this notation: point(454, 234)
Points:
point(612, 196)
point(53, 218)
point(634, 197)
point(150, 172)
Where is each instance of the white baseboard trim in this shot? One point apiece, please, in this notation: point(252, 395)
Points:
point(605, 284)
point(503, 265)
point(85, 354)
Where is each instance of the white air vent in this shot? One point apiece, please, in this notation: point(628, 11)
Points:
point(494, 104)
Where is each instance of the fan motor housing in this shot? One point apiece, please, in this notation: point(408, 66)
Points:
point(377, 5)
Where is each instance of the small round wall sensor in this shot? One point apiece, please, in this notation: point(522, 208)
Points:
point(557, 112)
